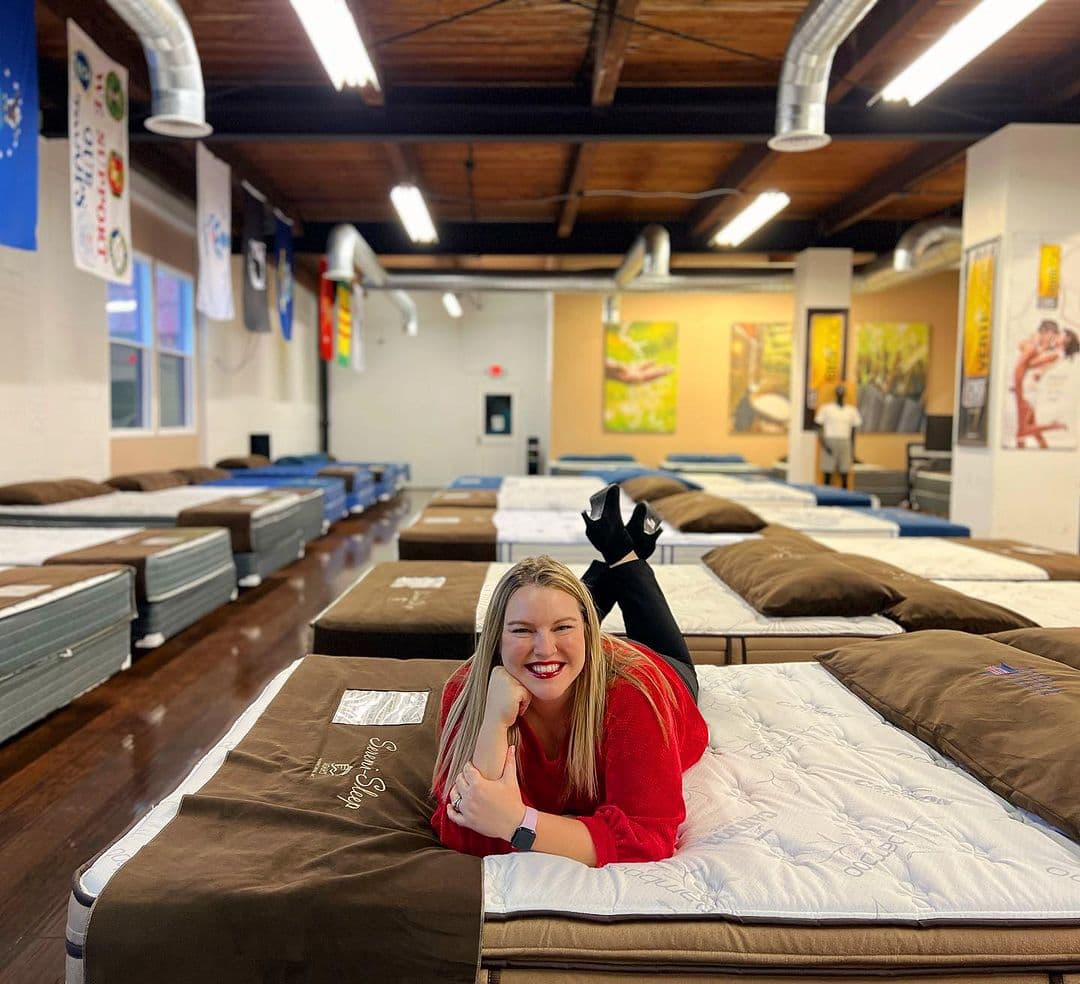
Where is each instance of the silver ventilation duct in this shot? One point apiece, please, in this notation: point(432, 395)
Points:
point(804, 79)
point(348, 251)
point(573, 283)
point(177, 96)
point(922, 237)
point(649, 257)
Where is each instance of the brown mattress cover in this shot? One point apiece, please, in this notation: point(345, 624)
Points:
point(465, 499)
point(374, 618)
point(700, 512)
point(450, 534)
point(546, 975)
point(658, 948)
point(46, 493)
point(1060, 566)
point(133, 551)
point(244, 461)
point(48, 579)
point(1007, 716)
point(308, 857)
point(785, 649)
point(197, 474)
point(348, 474)
point(232, 513)
point(1062, 645)
point(147, 481)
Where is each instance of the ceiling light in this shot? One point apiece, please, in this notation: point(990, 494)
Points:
point(751, 218)
point(452, 305)
point(957, 46)
point(413, 213)
point(337, 42)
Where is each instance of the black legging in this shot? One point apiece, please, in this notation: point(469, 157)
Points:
point(645, 610)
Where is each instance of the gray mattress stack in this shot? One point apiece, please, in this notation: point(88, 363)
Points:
point(931, 492)
point(59, 640)
point(888, 484)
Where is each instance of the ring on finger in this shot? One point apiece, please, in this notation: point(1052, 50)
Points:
point(457, 802)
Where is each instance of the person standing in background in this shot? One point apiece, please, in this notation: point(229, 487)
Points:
point(836, 425)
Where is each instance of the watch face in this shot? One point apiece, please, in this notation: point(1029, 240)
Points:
point(523, 839)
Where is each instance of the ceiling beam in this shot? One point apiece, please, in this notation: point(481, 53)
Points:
point(403, 162)
point(612, 40)
point(889, 21)
point(889, 184)
point(575, 185)
point(110, 33)
point(750, 162)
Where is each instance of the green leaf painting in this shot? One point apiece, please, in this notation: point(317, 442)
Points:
point(640, 377)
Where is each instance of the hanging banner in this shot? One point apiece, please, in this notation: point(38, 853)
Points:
point(359, 356)
point(18, 124)
point(640, 377)
point(214, 295)
point(98, 143)
point(977, 327)
point(326, 314)
point(283, 279)
point(1041, 411)
point(256, 310)
point(343, 306)
point(826, 337)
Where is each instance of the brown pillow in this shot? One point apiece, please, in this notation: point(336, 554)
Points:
point(928, 605)
point(699, 512)
point(794, 538)
point(780, 579)
point(245, 461)
point(48, 492)
point(1062, 645)
point(146, 481)
point(197, 474)
point(649, 488)
point(1007, 716)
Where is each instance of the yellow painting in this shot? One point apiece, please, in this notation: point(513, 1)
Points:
point(640, 377)
point(892, 359)
point(760, 378)
point(825, 360)
point(980, 263)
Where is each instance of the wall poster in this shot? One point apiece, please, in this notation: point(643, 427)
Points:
point(826, 336)
point(1041, 409)
point(891, 363)
point(760, 390)
point(640, 377)
point(977, 328)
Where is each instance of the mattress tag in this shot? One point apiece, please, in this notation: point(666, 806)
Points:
point(418, 582)
point(442, 519)
point(381, 707)
point(160, 541)
point(21, 590)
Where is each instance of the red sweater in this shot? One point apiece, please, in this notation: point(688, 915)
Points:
point(640, 806)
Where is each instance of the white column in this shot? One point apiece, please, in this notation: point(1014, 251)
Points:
point(1023, 188)
point(822, 280)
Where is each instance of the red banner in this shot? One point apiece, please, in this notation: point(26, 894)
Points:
point(326, 314)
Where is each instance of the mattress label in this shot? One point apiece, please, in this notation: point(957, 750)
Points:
point(418, 582)
point(381, 707)
point(160, 541)
point(21, 590)
point(442, 519)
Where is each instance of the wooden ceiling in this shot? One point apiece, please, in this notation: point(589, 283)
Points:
point(518, 118)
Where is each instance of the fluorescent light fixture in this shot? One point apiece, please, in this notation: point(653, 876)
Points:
point(452, 305)
point(962, 42)
point(122, 306)
point(413, 212)
point(336, 40)
point(751, 218)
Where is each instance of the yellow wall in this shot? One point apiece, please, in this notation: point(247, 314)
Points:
point(704, 322)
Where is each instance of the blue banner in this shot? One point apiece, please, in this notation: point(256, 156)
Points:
point(283, 253)
point(18, 125)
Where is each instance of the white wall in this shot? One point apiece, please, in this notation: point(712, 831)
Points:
point(420, 399)
point(54, 356)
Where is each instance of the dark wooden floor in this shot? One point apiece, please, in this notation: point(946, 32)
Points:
point(73, 783)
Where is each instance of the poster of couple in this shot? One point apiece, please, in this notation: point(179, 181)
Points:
point(1042, 405)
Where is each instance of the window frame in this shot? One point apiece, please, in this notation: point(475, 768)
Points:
point(148, 415)
point(188, 359)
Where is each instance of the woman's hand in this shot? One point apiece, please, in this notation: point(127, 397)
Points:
point(492, 807)
point(507, 699)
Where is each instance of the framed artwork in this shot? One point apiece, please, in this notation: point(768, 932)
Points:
point(640, 377)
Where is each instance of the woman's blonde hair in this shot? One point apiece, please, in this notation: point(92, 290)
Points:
point(607, 659)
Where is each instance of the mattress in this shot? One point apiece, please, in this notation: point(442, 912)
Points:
point(1051, 604)
point(477, 482)
point(62, 631)
point(910, 523)
point(334, 502)
point(818, 840)
point(751, 492)
point(162, 619)
point(360, 486)
point(937, 558)
point(311, 511)
point(544, 492)
point(449, 534)
point(831, 495)
point(253, 567)
point(576, 466)
point(714, 467)
point(835, 520)
point(890, 485)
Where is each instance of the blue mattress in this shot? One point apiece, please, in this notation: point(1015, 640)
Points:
point(721, 459)
point(477, 482)
point(335, 504)
point(919, 524)
point(362, 495)
point(401, 469)
point(831, 495)
point(619, 475)
point(596, 457)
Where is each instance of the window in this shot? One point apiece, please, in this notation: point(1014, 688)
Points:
point(151, 347)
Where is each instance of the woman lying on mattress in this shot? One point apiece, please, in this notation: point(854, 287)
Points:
point(559, 738)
